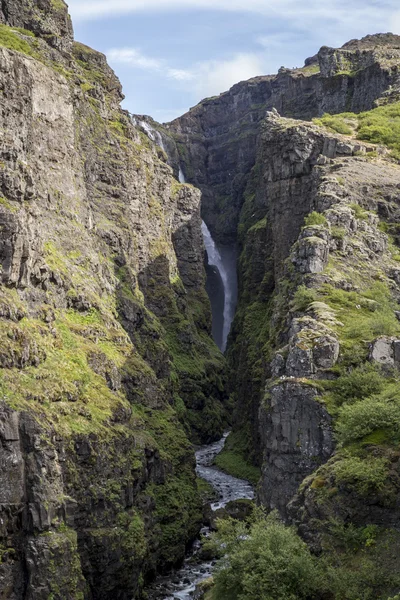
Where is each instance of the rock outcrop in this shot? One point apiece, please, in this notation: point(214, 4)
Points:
point(107, 366)
point(317, 319)
point(217, 140)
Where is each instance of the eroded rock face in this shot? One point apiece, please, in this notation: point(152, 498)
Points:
point(45, 18)
point(296, 436)
point(106, 356)
point(277, 364)
point(218, 138)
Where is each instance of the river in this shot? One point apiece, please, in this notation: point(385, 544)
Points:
point(181, 584)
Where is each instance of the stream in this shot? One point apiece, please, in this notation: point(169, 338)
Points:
point(181, 584)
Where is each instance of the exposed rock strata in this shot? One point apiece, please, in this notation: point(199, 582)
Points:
point(107, 365)
point(217, 140)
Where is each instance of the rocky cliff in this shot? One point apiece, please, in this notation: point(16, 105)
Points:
point(106, 362)
point(217, 140)
point(313, 351)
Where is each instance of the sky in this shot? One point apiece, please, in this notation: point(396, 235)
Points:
point(170, 54)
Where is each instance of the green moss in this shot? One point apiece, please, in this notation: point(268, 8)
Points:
point(233, 459)
point(15, 39)
point(8, 205)
point(315, 218)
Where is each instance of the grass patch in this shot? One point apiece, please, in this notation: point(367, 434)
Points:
point(315, 218)
point(232, 459)
point(379, 126)
point(334, 123)
point(15, 39)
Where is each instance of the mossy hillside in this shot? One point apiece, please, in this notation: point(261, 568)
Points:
point(234, 458)
point(89, 378)
point(379, 126)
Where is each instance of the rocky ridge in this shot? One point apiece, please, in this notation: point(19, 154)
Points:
point(217, 139)
point(106, 363)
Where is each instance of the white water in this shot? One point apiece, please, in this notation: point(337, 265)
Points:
point(181, 176)
point(151, 133)
point(182, 584)
point(222, 261)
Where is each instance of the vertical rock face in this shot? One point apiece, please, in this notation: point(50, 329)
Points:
point(314, 256)
point(217, 140)
point(48, 19)
point(107, 366)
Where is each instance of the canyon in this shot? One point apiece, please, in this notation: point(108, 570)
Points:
point(115, 362)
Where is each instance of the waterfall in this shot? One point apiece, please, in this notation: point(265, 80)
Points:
point(151, 133)
point(224, 260)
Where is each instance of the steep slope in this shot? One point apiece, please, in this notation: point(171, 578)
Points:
point(313, 351)
point(319, 272)
point(217, 140)
point(106, 359)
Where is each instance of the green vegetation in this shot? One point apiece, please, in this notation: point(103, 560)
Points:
point(363, 316)
point(16, 39)
point(302, 298)
point(233, 459)
point(359, 212)
point(378, 126)
point(315, 218)
point(334, 123)
point(266, 560)
point(375, 418)
point(366, 475)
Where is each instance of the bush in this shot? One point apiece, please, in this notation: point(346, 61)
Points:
point(359, 420)
point(302, 298)
point(315, 218)
point(365, 475)
point(267, 562)
point(360, 383)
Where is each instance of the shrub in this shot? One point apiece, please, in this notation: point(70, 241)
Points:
point(365, 475)
point(267, 562)
point(315, 218)
point(302, 298)
point(360, 383)
point(363, 418)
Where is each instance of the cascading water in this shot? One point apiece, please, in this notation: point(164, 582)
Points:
point(152, 133)
point(223, 260)
point(221, 268)
point(181, 176)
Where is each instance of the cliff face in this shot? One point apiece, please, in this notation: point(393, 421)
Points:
point(313, 351)
point(217, 139)
point(107, 365)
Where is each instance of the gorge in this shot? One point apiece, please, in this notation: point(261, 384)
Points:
point(281, 199)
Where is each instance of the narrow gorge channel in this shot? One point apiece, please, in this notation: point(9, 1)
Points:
point(181, 584)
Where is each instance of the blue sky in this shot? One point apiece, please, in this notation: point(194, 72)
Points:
point(170, 54)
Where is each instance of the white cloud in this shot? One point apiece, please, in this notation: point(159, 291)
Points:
point(134, 58)
point(209, 78)
point(216, 76)
point(395, 22)
point(332, 12)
